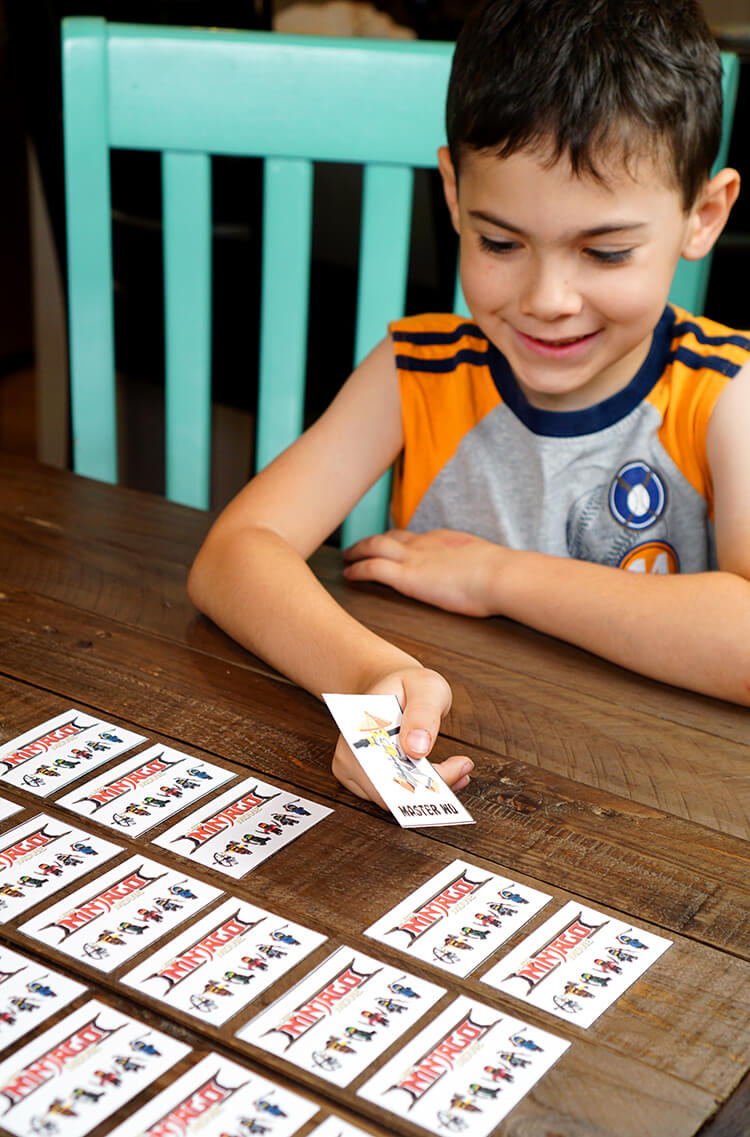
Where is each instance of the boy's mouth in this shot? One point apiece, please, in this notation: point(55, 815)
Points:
point(561, 346)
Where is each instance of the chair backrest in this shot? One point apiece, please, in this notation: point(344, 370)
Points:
point(190, 94)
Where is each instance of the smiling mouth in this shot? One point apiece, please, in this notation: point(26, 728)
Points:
point(560, 347)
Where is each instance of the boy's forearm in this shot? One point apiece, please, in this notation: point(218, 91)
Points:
point(261, 592)
point(692, 630)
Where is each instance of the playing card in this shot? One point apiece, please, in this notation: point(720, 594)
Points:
point(414, 793)
point(244, 827)
point(147, 789)
point(121, 913)
point(41, 856)
point(459, 917)
point(8, 808)
point(223, 962)
point(29, 993)
point(64, 748)
point(577, 963)
point(220, 1097)
point(465, 1070)
point(76, 1074)
point(342, 1015)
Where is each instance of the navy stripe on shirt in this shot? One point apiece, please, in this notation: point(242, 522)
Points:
point(685, 327)
point(437, 366)
point(696, 361)
point(439, 337)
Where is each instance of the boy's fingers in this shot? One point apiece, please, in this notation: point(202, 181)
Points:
point(455, 771)
point(347, 770)
point(427, 697)
point(381, 545)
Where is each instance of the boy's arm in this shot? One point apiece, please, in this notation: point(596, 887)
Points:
point(250, 574)
point(692, 630)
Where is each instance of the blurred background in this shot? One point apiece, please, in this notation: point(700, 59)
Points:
point(33, 346)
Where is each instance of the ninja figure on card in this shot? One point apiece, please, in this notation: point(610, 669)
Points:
point(238, 977)
point(249, 1125)
point(475, 933)
point(391, 1005)
point(270, 951)
point(339, 1045)
point(325, 1061)
point(623, 956)
point(109, 736)
point(374, 1018)
point(378, 732)
point(141, 1046)
point(68, 859)
point(444, 955)
point(608, 965)
point(453, 941)
point(203, 1004)
point(95, 951)
point(36, 987)
point(253, 961)
point(128, 1065)
point(170, 791)
point(630, 941)
point(226, 860)
point(182, 891)
point(512, 1059)
point(265, 1106)
point(568, 1005)
point(514, 897)
point(450, 1121)
point(498, 1074)
point(150, 914)
point(573, 988)
point(401, 989)
point(254, 839)
point(108, 1078)
point(283, 937)
point(487, 920)
point(270, 827)
point(197, 772)
point(597, 980)
point(519, 1039)
point(285, 818)
point(31, 780)
point(295, 807)
point(503, 909)
point(50, 870)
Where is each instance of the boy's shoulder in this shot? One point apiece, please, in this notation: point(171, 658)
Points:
point(701, 343)
point(434, 328)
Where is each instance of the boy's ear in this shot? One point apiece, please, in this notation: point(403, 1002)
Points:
point(710, 212)
point(450, 185)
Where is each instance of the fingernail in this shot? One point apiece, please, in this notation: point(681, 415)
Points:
point(461, 783)
point(418, 741)
point(467, 767)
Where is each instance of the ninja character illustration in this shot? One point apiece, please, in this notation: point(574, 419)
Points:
point(481, 1091)
point(513, 1059)
point(50, 870)
point(608, 965)
point(359, 1035)
point(150, 914)
point(182, 891)
point(598, 980)
point(82, 847)
point(271, 952)
point(83, 1094)
point(237, 977)
point(68, 859)
point(498, 1074)
point(128, 1064)
point(514, 897)
point(31, 881)
point(252, 961)
point(374, 1018)
point(475, 933)
point(132, 929)
point(285, 819)
point(283, 937)
point(9, 889)
point(36, 987)
point(400, 988)
point(66, 764)
point(502, 909)
point(487, 920)
point(453, 941)
point(339, 1044)
point(47, 772)
point(167, 904)
point(458, 1102)
point(391, 1005)
point(269, 827)
point(197, 772)
point(295, 807)
point(170, 791)
point(265, 1106)
point(213, 987)
point(573, 988)
point(186, 783)
point(631, 941)
point(623, 956)
point(255, 839)
point(520, 1040)
point(379, 732)
point(109, 736)
point(150, 800)
point(141, 1046)
point(108, 1078)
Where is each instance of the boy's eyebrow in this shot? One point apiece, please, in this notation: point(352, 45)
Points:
point(596, 231)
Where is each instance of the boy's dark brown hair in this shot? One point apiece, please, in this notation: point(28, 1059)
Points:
point(586, 78)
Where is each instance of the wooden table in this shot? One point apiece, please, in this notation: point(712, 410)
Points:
point(590, 783)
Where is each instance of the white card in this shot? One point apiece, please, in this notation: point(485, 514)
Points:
point(121, 913)
point(147, 789)
point(8, 808)
point(244, 827)
point(43, 855)
point(56, 752)
point(342, 1016)
point(577, 963)
point(337, 1127)
point(29, 993)
point(220, 1096)
point(459, 917)
point(80, 1071)
point(414, 793)
point(465, 1071)
point(223, 962)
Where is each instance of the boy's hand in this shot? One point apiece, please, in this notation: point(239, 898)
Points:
point(446, 568)
point(425, 698)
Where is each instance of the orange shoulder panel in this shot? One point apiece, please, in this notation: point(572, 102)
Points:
point(687, 393)
point(446, 389)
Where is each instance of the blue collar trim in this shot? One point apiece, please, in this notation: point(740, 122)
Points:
point(565, 424)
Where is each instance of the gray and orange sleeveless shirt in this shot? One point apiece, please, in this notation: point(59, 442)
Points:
point(624, 483)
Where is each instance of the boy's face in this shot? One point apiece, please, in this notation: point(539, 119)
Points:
point(566, 275)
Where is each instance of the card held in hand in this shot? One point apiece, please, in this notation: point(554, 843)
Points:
point(415, 794)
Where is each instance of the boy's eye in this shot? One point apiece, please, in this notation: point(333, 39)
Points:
point(610, 256)
point(489, 246)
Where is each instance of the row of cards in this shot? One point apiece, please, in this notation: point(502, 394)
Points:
point(76, 1075)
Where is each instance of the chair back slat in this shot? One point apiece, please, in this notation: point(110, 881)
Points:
point(287, 234)
point(88, 220)
point(384, 243)
point(186, 212)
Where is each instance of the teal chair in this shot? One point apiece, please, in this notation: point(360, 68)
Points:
point(191, 93)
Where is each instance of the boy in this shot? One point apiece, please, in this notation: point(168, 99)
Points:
point(574, 429)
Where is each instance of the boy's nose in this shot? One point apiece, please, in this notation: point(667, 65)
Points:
point(549, 293)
